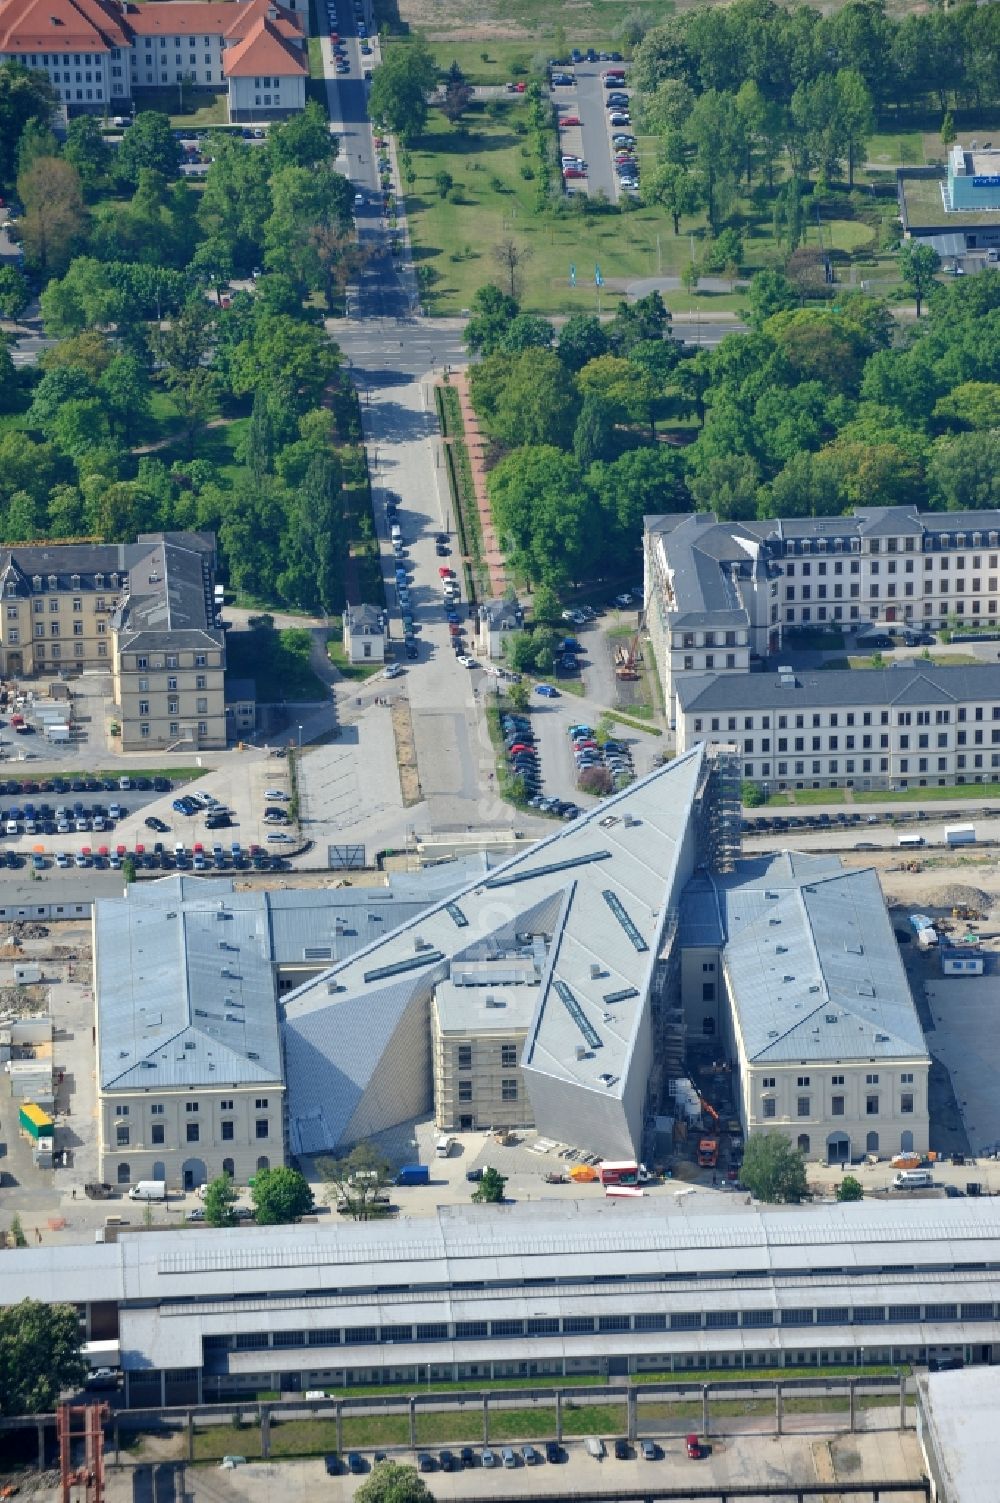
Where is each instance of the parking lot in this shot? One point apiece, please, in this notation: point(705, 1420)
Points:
point(735, 1460)
point(90, 820)
point(581, 97)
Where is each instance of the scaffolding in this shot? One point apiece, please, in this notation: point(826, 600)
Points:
point(82, 1422)
point(722, 806)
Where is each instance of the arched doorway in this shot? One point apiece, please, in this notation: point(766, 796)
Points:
point(159, 1170)
point(124, 1174)
point(193, 1173)
point(803, 1142)
point(871, 1143)
point(838, 1148)
point(229, 1167)
point(906, 1141)
point(264, 1162)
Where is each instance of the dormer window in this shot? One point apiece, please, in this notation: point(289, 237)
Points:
point(11, 589)
point(36, 583)
point(114, 581)
point(99, 581)
point(52, 582)
point(74, 581)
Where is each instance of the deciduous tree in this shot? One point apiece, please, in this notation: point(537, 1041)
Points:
point(773, 1170)
point(39, 1356)
point(280, 1196)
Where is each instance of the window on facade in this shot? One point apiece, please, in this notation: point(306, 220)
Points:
point(508, 1090)
point(465, 1056)
point(190, 1106)
point(802, 1105)
point(871, 1106)
point(262, 1127)
point(768, 1106)
point(157, 1134)
point(465, 1090)
point(906, 1102)
point(192, 1134)
point(228, 1130)
point(261, 1104)
point(121, 1137)
point(837, 1106)
point(508, 1056)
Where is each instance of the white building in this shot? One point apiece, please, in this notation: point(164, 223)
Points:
point(364, 634)
point(793, 963)
point(495, 622)
point(913, 725)
point(720, 593)
point(530, 1290)
point(95, 52)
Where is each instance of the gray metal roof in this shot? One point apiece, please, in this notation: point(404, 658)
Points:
point(185, 994)
point(615, 874)
point(465, 1244)
point(958, 1428)
point(915, 682)
point(169, 591)
point(715, 909)
point(165, 982)
point(817, 976)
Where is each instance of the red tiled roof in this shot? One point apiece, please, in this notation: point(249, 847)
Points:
point(263, 51)
point(225, 19)
point(64, 25)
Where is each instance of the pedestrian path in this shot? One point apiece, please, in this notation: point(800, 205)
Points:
point(476, 446)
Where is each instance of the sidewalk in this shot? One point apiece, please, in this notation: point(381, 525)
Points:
point(476, 445)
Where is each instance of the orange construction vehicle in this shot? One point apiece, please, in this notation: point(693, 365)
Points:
point(708, 1153)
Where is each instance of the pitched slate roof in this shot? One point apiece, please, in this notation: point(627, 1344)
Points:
point(914, 682)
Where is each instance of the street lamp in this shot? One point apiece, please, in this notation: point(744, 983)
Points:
point(300, 739)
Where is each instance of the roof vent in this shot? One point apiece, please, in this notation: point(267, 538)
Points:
point(582, 1052)
point(251, 1054)
point(781, 949)
point(772, 895)
point(420, 944)
point(831, 1017)
point(334, 986)
point(814, 987)
point(788, 978)
point(772, 1033)
point(189, 1043)
point(881, 1038)
point(596, 971)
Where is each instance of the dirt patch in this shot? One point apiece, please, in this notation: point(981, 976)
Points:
point(406, 753)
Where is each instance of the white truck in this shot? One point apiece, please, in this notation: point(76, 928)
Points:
point(149, 1189)
point(960, 834)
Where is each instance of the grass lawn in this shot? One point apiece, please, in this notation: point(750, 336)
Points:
point(278, 661)
point(454, 242)
point(949, 659)
point(62, 775)
point(355, 671)
point(226, 1440)
point(819, 795)
point(899, 148)
point(633, 724)
point(928, 795)
point(201, 108)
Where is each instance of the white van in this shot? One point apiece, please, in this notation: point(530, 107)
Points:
point(443, 1147)
point(149, 1189)
point(396, 533)
point(595, 1447)
point(913, 1179)
point(910, 840)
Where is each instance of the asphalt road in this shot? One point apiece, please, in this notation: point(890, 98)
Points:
point(590, 95)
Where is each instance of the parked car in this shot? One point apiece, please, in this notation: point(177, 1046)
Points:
point(693, 1447)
